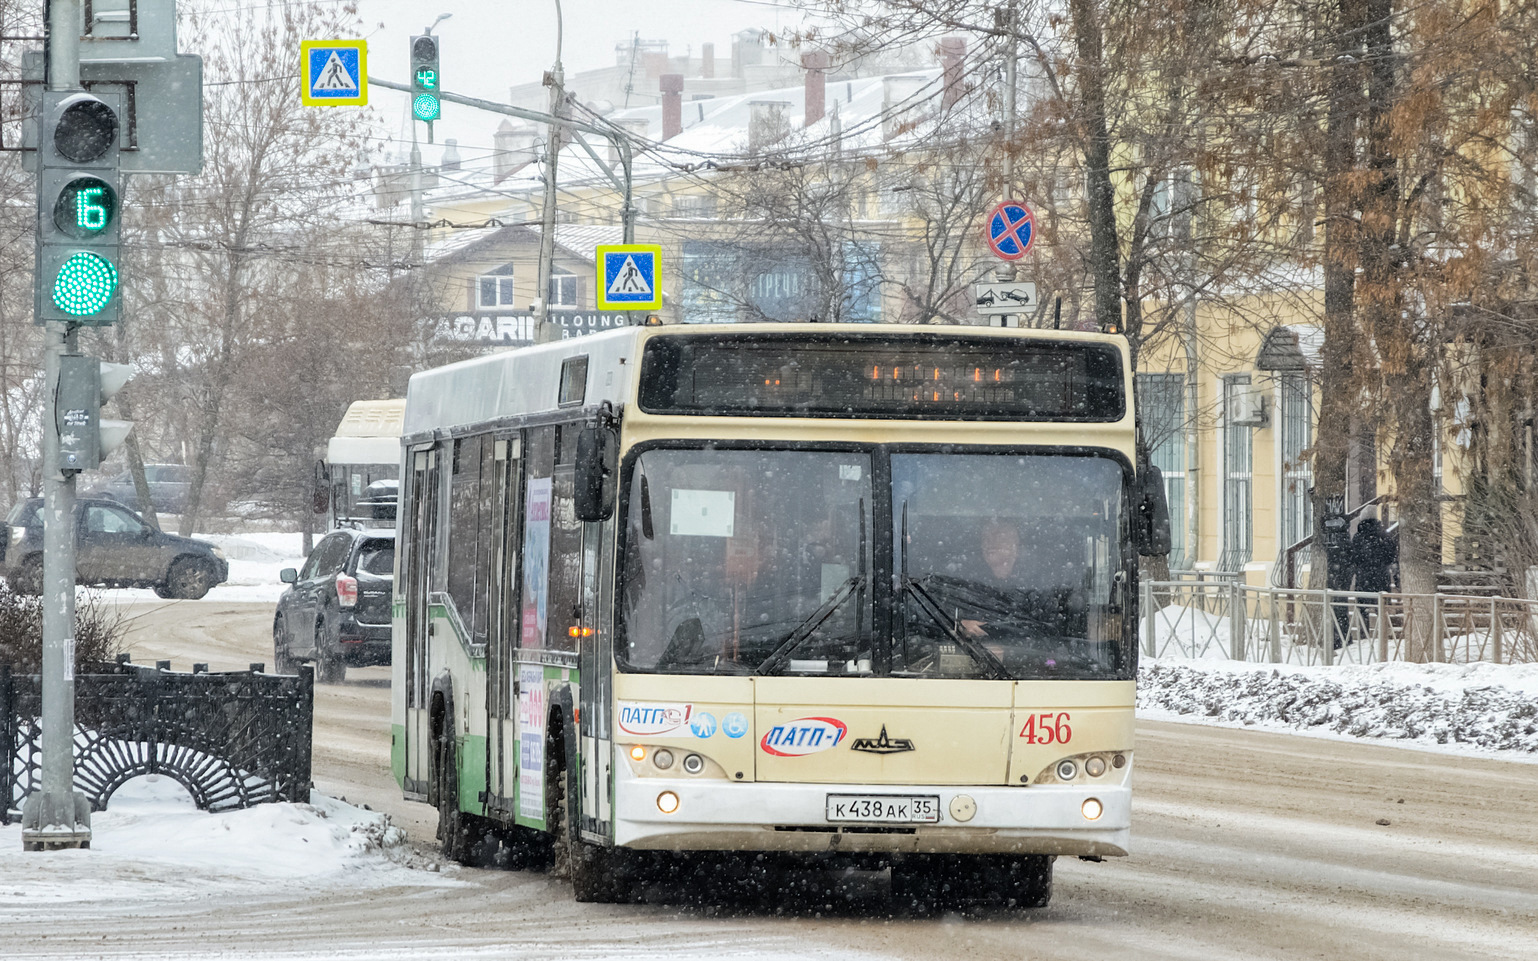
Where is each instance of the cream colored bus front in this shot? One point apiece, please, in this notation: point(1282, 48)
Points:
point(822, 648)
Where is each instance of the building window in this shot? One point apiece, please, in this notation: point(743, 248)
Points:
point(1238, 460)
point(1297, 473)
point(496, 289)
point(694, 206)
point(1162, 400)
point(563, 288)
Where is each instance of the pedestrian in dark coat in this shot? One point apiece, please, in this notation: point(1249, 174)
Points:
point(1373, 552)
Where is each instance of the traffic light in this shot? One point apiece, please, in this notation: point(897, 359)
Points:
point(425, 85)
point(78, 206)
point(85, 437)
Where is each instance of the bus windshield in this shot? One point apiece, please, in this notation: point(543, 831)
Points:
point(744, 561)
point(1008, 565)
point(762, 562)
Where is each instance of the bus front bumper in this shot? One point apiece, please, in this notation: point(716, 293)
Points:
point(714, 815)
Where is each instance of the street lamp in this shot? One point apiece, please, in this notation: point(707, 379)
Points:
point(441, 17)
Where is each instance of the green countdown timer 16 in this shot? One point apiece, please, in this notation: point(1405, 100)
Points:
point(85, 207)
point(85, 284)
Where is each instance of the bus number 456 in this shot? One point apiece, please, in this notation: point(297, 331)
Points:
point(1047, 729)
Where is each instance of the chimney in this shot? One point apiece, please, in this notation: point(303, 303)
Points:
point(816, 63)
point(635, 128)
point(708, 60)
point(451, 159)
point(953, 50)
point(766, 123)
point(898, 102)
point(672, 85)
point(512, 146)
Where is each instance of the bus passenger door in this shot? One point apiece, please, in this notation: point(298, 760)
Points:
point(595, 662)
point(423, 532)
point(502, 667)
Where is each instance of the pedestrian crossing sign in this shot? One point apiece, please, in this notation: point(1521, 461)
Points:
point(629, 277)
point(335, 73)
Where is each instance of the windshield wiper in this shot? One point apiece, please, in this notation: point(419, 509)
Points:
point(984, 657)
point(780, 656)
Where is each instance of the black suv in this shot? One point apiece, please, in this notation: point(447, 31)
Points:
point(113, 548)
point(336, 612)
point(168, 484)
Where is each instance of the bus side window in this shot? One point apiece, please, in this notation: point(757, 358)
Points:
point(465, 527)
point(508, 529)
point(534, 550)
point(565, 547)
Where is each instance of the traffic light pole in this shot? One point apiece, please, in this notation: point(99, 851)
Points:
point(56, 816)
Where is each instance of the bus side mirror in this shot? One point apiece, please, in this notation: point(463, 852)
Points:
point(320, 495)
point(595, 482)
point(1153, 513)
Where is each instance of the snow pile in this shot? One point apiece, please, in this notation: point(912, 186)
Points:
point(152, 843)
point(1483, 706)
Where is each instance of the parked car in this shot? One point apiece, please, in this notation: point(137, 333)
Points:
point(114, 547)
point(336, 612)
point(168, 484)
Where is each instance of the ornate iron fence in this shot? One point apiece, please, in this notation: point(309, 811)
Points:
point(231, 739)
point(1233, 621)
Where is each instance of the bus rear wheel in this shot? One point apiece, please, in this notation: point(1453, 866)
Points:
point(462, 837)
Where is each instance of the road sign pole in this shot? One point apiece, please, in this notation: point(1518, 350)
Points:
point(56, 816)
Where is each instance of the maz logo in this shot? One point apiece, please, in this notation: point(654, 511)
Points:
point(882, 744)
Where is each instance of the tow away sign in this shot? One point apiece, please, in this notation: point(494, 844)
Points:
point(1006, 298)
point(335, 73)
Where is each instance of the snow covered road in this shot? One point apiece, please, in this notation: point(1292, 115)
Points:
point(1248, 844)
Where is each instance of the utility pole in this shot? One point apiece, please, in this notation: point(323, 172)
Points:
point(417, 212)
point(1004, 22)
point(57, 816)
point(544, 331)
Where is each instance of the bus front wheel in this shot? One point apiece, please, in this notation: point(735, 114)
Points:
point(931, 881)
point(592, 869)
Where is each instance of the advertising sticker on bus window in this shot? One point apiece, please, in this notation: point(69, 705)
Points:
point(698, 513)
point(536, 560)
point(645, 719)
point(531, 741)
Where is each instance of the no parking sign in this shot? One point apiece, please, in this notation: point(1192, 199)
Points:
point(1011, 230)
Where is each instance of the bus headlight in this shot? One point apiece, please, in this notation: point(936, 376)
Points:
point(1092, 809)
point(667, 802)
point(1095, 766)
point(637, 753)
point(663, 758)
point(693, 763)
point(1067, 770)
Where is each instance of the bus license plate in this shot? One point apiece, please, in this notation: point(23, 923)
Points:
point(886, 808)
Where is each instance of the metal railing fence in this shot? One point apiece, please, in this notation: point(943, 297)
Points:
point(1233, 621)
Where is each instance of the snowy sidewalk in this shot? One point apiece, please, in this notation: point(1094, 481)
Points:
point(153, 845)
point(1465, 708)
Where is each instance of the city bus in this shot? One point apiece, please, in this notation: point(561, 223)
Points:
point(356, 483)
point(801, 590)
